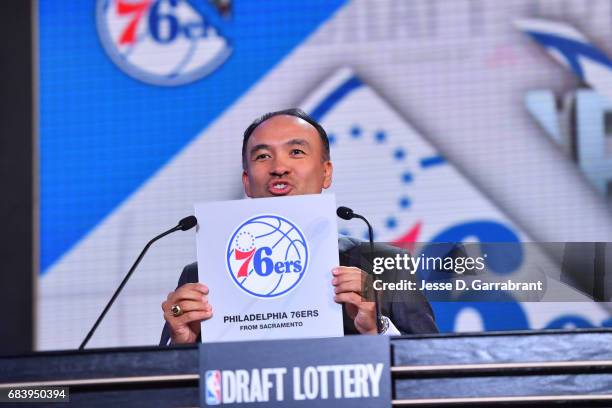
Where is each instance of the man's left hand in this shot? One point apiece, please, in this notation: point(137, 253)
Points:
point(348, 282)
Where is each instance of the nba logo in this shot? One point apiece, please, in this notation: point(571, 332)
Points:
point(267, 256)
point(213, 387)
point(161, 42)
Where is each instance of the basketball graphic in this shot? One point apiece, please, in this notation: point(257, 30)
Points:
point(160, 42)
point(267, 256)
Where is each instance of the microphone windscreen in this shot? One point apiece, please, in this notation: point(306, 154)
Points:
point(188, 223)
point(345, 213)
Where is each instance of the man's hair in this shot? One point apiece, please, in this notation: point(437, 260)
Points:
point(298, 113)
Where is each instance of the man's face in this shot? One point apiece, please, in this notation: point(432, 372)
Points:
point(284, 156)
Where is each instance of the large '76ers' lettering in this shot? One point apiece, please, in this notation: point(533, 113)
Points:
point(163, 26)
point(263, 264)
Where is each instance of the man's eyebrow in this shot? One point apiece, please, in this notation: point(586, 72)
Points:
point(292, 142)
point(261, 146)
point(299, 142)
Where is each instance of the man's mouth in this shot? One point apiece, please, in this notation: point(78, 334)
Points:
point(279, 188)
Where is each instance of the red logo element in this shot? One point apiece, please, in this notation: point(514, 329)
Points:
point(243, 272)
point(128, 36)
point(408, 240)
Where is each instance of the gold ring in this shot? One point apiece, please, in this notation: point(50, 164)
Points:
point(176, 310)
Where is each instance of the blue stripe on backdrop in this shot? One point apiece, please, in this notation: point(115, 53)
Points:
point(103, 133)
point(324, 106)
point(572, 50)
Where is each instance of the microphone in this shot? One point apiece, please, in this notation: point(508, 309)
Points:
point(348, 214)
point(185, 224)
point(345, 213)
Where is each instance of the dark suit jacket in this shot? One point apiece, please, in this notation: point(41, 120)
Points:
point(410, 315)
point(587, 266)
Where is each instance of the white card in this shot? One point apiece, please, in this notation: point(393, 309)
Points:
point(267, 263)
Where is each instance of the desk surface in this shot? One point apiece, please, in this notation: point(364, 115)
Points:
point(520, 365)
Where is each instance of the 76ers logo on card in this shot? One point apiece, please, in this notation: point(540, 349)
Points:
point(213, 387)
point(162, 42)
point(267, 256)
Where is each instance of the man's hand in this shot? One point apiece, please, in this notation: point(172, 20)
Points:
point(192, 298)
point(347, 283)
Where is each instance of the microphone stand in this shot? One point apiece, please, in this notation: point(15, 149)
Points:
point(184, 224)
point(379, 327)
point(347, 214)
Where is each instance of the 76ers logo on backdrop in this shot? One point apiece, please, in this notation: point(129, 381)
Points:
point(162, 42)
point(267, 256)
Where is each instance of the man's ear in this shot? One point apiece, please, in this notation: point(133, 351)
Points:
point(328, 169)
point(245, 183)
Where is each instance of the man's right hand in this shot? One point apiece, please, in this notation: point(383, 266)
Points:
point(192, 298)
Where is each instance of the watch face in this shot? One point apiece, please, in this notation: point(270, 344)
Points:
point(384, 322)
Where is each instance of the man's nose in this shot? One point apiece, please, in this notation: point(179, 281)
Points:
point(280, 168)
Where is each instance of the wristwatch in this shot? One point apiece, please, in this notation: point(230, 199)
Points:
point(384, 324)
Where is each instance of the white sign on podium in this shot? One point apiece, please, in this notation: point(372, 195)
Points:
point(267, 263)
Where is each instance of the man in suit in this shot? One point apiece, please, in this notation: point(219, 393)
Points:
point(287, 153)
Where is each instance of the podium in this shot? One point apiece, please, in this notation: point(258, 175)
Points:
point(526, 369)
